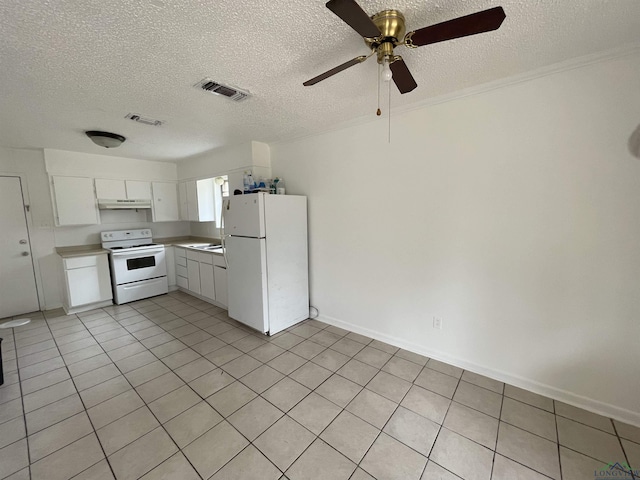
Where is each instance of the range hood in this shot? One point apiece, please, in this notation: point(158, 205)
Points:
point(123, 204)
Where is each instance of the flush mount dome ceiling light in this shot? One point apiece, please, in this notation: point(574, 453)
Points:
point(105, 139)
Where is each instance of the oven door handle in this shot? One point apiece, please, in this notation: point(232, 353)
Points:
point(138, 253)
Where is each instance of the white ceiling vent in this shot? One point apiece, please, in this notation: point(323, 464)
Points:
point(228, 91)
point(146, 120)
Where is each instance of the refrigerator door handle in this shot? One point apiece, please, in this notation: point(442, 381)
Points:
point(223, 236)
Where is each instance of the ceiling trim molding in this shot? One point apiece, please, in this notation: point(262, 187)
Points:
point(572, 64)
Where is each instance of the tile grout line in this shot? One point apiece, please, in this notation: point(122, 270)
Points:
point(160, 423)
point(94, 432)
point(24, 418)
point(495, 446)
point(176, 306)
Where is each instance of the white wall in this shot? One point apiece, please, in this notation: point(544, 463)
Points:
point(512, 214)
point(62, 162)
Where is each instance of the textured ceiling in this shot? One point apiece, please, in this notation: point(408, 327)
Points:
point(70, 66)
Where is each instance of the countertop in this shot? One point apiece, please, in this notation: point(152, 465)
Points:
point(96, 249)
point(81, 251)
point(184, 241)
point(187, 242)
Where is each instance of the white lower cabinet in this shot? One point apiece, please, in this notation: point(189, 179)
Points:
point(193, 272)
point(169, 255)
point(220, 278)
point(202, 273)
point(182, 277)
point(207, 286)
point(87, 283)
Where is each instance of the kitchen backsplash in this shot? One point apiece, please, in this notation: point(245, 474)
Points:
point(90, 234)
point(204, 229)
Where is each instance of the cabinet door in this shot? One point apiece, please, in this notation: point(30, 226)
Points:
point(169, 256)
point(75, 201)
point(110, 189)
point(182, 201)
point(207, 288)
point(192, 201)
point(182, 282)
point(193, 272)
point(137, 190)
point(206, 200)
point(165, 202)
point(89, 284)
point(220, 280)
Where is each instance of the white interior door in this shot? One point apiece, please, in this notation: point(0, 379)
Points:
point(247, 281)
point(18, 292)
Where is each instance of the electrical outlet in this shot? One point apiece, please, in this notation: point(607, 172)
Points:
point(437, 323)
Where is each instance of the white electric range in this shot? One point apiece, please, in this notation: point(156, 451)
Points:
point(138, 266)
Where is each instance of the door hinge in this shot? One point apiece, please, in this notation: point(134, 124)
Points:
point(27, 208)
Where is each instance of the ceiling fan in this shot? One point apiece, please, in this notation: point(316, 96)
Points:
point(386, 30)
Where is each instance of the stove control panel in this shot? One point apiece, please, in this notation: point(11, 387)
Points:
point(125, 235)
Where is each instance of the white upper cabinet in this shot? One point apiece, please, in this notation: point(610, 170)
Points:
point(110, 189)
point(74, 201)
point(206, 200)
point(182, 201)
point(107, 188)
point(192, 201)
point(199, 200)
point(137, 190)
point(165, 202)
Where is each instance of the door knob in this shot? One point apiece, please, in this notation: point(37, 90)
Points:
point(23, 242)
point(25, 254)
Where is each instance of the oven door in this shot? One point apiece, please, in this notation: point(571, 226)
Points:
point(138, 265)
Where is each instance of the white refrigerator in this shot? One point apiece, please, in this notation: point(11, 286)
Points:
point(265, 238)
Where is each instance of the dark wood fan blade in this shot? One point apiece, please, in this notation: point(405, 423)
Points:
point(402, 76)
point(335, 70)
point(479, 22)
point(353, 15)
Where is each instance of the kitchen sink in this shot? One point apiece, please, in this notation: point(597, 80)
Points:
point(210, 246)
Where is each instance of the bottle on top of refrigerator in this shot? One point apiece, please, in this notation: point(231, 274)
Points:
point(281, 190)
point(245, 182)
point(252, 184)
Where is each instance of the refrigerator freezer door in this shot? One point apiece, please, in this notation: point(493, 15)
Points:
point(247, 281)
point(244, 215)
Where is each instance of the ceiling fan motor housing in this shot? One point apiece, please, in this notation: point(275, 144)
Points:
point(392, 28)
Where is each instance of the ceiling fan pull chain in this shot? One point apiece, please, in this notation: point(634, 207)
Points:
point(389, 114)
point(378, 112)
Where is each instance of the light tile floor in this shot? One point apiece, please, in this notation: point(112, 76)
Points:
point(172, 388)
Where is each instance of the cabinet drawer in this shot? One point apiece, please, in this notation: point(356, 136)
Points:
point(180, 252)
point(181, 271)
point(182, 261)
point(182, 282)
point(218, 260)
point(193, 255)
point(206, 258)
point(80, 262)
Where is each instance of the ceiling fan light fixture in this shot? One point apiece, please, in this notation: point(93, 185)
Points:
point(105, 139)
point(386, 73)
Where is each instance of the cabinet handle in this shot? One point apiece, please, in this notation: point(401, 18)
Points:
point(25, 254)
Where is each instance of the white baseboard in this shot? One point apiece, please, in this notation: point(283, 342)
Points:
point(595, 406)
